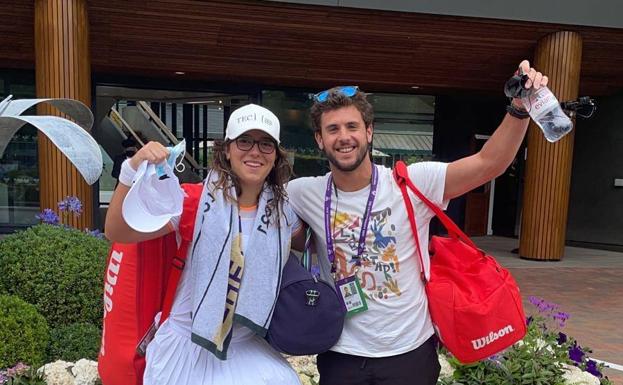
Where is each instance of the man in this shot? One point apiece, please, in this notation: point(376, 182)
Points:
point(359, 222)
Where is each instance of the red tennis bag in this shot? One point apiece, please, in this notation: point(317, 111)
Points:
point(141, 280)
point(474, 303)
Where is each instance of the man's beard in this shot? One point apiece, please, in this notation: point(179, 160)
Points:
point(361, 155)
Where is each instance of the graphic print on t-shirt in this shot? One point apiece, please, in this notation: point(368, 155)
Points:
point(379, 262)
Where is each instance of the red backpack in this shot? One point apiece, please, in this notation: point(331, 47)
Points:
point(141, 280)
point(474, 302)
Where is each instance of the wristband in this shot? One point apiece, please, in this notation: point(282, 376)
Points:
point(516, 112)
point(126, 174)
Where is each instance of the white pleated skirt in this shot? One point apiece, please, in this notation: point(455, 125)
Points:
point(173, 359)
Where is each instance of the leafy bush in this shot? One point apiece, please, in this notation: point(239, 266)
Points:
point(23, 332)
point(74, 342)
point(57, 269)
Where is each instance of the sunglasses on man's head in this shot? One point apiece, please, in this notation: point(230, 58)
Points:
point(349, 91)
point(246, 143)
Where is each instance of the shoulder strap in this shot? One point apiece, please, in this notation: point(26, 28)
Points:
point(401, 175)
point(187, 226)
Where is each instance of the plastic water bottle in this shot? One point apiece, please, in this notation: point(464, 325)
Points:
point(546, 112)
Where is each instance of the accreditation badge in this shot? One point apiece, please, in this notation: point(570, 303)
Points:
point(141, 348)
point(352, 295)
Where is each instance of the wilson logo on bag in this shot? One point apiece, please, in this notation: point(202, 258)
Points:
point(483, 341)
point(474, 303)
point(140, 281)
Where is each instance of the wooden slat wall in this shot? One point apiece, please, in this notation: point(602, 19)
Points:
point(62, 71)
point(316, 47)
point(285, 44)
point(548, 167)
point(16, 34)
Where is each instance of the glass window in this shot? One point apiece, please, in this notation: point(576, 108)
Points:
point(107, 183)
point(216, 121)
point(403, 128)
point(19, 172)
point(19, 179)
point(22, 91)
point(292, 109)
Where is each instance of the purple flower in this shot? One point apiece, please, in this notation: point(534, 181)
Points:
point(62, 205)
point(591, 367)
point(561, 317)
point(529, 320)
point(71, 204)
point(3, 378)
point(576, 354)
point(95, 233)
point(495, 358)
point(562, 338)
point(542, 305)
point(18, 370)
point(48, 216)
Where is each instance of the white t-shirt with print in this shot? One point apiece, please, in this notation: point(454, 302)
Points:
point(397, 320)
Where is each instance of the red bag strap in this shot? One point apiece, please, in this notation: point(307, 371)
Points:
point(401, 175)
point(187, 226)
point(401, 179)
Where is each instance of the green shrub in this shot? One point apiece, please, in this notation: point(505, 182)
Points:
point(73, 342)
point(23, 332)
point(57, 269)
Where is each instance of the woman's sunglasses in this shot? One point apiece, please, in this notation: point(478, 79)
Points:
point(349, 91)
point(246, 143)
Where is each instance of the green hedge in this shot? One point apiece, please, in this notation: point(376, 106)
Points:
point(23, 332)
point(57, 269)
point(73, 342)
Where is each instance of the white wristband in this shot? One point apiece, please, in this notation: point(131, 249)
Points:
point(126, 174)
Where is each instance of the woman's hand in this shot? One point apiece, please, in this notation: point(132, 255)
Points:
point(153, 152)
point(116, 228)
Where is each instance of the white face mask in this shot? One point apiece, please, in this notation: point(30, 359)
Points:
point(175, 153)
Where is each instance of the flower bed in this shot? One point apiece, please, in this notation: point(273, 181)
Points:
point(545, 356)
point(305, 367)
point(82, 372)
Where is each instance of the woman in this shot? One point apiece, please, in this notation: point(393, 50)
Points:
point(228, 289)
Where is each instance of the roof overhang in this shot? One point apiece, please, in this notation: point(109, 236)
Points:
point(306, 46)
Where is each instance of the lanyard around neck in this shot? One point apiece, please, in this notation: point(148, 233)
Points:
point(365, 220)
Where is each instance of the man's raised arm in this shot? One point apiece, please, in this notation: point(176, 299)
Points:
point(496, 155)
